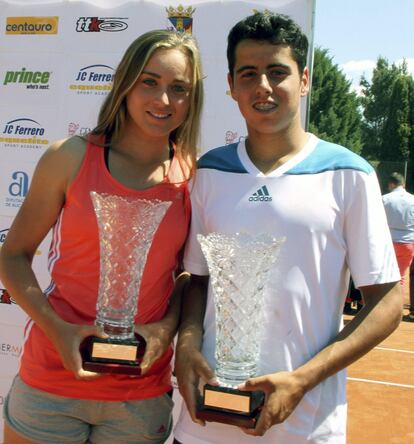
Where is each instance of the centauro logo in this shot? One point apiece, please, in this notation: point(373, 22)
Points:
point(98, 24)
point(23, 131)
point(93, 79)
point(32, 79)
point(32, 25)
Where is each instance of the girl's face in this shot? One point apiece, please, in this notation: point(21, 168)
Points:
point(158, 103)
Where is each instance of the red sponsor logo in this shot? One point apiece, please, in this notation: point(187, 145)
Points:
point(5, 297)
point(230, 137)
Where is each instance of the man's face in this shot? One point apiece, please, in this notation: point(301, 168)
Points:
point(267, 86)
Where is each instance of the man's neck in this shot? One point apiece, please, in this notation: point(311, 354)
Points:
point(269, 151)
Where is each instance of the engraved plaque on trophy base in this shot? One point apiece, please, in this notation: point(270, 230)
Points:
point(121, 356)
point(230, 406)
point(239, 267)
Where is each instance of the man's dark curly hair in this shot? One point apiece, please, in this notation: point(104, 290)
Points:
point(276, 29)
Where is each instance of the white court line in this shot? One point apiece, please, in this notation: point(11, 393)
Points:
point(394, 384)
point(394, 350)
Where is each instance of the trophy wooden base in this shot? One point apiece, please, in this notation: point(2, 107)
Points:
point(230, 406)
point(121, 356)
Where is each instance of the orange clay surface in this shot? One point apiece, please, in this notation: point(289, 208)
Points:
point(381, 391)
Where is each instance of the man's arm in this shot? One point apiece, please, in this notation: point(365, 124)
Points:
point(380, 316)
point(190, 364)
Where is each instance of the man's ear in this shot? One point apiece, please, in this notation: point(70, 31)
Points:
point(231, 85)
point(304, 87)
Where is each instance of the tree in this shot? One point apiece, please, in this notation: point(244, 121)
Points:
point(410, 175)
point(396, 132)
point(376, 102)
point(334, 108)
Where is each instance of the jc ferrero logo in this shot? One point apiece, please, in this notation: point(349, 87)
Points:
point(32, 25)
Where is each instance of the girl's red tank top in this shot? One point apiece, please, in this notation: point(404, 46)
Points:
point(74, 268)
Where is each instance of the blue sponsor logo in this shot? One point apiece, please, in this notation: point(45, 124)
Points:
point(23, 127)
point(95, 74)
point(93, 79)
point(3, 234)
point(20, 184)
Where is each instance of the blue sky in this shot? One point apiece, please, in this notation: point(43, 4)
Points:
point(356, 32)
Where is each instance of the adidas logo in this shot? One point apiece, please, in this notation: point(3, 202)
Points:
point(261, 195)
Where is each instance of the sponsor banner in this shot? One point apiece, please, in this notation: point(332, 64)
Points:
point(31, 80)
point(24, 130)
point(4, 230)
point(92, 30)
point(86, 82)
point(10, 313)
point(101, 24)
point(34, 80)
point(32, 25)
point(39, 264)
point(77, 128)
point(92, 79)
point(5, 223)
point(96, 30)
point(180, 18)
point(231, 137)
point(14, 183)
point(5, 383)
point(11, 342)
point(23, 137)
point(26, 133)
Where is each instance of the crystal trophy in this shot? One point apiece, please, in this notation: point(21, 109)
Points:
point(239, 266)
point(126, 229)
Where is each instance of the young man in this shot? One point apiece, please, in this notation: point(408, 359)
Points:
point(326, 202)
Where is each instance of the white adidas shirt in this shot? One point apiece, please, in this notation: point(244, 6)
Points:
point(327, 203)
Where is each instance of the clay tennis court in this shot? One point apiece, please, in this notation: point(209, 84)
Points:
point(381, 391)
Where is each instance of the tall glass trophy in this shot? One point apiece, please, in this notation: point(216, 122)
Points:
point(239, 267)
point(126, 230)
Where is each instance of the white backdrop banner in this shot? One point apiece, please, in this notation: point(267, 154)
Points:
point(57, 59)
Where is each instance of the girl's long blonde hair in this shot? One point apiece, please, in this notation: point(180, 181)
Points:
point(113, 113)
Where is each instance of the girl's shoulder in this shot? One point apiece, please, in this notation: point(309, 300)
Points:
point(64, 157)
